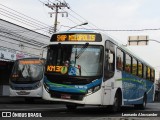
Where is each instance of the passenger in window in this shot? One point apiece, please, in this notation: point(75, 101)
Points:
point(119, 63)
point(127, 68)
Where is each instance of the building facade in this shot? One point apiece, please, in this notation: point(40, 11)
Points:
point(16, 42)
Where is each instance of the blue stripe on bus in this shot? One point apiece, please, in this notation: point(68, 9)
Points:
point(134, 89)
point(72, 88)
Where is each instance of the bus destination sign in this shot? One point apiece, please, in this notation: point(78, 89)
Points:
point(31, 62)
point(76, 37)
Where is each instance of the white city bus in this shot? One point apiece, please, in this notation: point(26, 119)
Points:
point(27, 78)
point(89, 68)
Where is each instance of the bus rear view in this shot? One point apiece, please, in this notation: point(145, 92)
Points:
point(26, 78)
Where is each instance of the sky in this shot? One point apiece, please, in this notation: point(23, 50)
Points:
point(127, 15)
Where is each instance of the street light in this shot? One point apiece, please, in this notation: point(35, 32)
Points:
point(85, 23)
point(154, 40)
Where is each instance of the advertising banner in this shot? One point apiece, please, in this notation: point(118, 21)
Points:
point(11, 54)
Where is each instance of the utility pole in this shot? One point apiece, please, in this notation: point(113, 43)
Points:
point(56, 7)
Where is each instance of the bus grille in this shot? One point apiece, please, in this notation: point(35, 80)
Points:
point(23, 88)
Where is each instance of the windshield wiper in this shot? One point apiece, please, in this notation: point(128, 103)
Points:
point(81, 51)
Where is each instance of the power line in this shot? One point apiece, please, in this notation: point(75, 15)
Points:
point(121, 30)
point(34, 20)
point(20, 20)
point(75, 17)
point(19, 17)
point(116, 30)
point(4, 13)
point(42, 26)
point(50, 4)
point(20, 38)
point(84, 19)
point(25, 31)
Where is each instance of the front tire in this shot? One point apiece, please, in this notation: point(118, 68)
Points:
point(117, 103)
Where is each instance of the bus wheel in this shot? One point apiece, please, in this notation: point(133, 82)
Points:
point(143, 105)
point(117, 103)
point(71, 107)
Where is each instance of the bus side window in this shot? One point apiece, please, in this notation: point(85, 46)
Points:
point(127, 63)
point(144, 72)
point(152, 75)
point(119, 60)
point(109, 60)
point(148, 73)
point(140, 69)
point(134, 66)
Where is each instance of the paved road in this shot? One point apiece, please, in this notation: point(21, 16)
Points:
point(47, 110)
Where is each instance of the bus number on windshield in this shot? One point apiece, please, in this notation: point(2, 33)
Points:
point(51, 68)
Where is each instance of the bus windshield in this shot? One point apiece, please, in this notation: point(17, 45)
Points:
point(75, 60)
point(27, 70)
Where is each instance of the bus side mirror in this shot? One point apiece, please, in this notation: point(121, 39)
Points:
point(41, 54)
point(110, 58)
point(43, 51)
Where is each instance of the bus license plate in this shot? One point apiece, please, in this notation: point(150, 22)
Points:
point(65, 96)
point(23, 93)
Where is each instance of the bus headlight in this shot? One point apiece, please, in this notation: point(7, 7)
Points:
point(92, 90)
point(38, 84)
point(96, 88)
